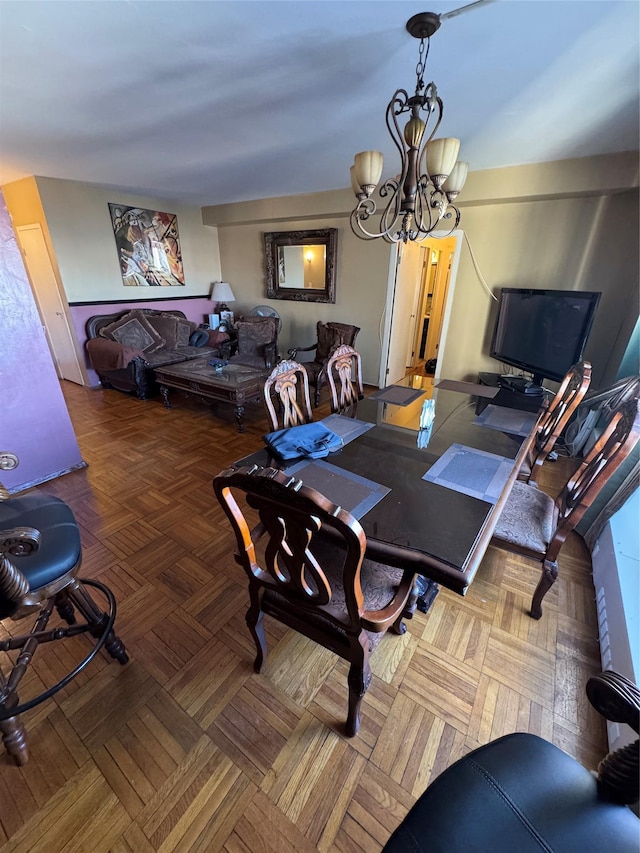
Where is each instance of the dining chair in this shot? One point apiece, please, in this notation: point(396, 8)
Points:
point(521, 792)
point(536, 525)
point(40, 556)
point(345, 367)
point(329, 335)
point(554, 418)
point(310, 572)
point(288, 382)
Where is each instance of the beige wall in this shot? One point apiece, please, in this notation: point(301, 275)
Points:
point(566, 225)
point(361, 276)
point(75, 217)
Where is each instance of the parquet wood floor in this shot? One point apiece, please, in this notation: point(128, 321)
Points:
point(186, 749)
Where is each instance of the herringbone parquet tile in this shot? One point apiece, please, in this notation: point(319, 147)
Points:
point(186, 748)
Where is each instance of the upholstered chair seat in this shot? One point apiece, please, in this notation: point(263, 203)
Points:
point(529, 519)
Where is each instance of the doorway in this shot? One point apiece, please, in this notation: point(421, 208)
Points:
point(422, 281)
point(51, 307)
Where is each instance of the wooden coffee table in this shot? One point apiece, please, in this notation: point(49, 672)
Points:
point(235, 383)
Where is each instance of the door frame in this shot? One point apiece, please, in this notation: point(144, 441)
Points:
point(71, 342)
point(387, 316)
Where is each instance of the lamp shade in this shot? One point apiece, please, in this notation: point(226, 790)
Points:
point(368, 168)
point(441, 158)
point(222, 292)
point(355, 186)
point(457, 177)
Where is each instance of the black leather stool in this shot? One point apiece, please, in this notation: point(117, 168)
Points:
point(522, 794)
point(40, 555)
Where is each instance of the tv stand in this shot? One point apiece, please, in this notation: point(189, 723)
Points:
point(508, 396)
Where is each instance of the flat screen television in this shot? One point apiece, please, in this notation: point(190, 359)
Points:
point(542, 332)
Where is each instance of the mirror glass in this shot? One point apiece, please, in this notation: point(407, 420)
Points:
point(300, 265)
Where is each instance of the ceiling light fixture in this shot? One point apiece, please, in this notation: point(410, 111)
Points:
point(431, 177)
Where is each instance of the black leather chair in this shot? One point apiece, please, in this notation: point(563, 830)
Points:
point(522, 794)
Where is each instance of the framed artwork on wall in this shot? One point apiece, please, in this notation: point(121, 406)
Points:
point(148, 244)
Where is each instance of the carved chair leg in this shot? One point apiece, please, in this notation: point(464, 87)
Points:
point(398, 626)
point(65, 608)
point(547, 580)
point(255, 624)
point(14, 738)
point(359, 680)
point(96, 619)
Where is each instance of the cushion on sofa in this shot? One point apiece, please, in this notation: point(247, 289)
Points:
point(134, 330)
point(185, 329)
point(167, 327)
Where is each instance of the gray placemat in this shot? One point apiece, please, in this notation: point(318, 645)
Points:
point(346, 428)
point(472, 472)
point(512, 421)
point(467, 388)
point(397, 395)
point(350, 491)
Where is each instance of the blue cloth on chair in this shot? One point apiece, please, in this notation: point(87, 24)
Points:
point(310, 441)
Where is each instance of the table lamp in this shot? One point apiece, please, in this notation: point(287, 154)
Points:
point(221, 293)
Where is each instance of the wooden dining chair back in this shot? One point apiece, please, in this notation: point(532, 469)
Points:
point(40, 555)
point(536, 525)
point(344, 372)
point(317, 584)
point(555, 417)
point(289, 386)
point(330, 335)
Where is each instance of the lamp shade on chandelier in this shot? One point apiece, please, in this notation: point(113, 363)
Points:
point(418, 200)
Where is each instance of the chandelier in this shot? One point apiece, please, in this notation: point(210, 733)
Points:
point(415, 202)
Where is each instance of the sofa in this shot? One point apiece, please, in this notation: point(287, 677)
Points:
point(124, 348)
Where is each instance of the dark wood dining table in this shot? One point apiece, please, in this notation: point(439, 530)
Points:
point(437, 531)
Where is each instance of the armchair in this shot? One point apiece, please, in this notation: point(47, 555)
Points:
point(344, 363)
point(289, 385)
point(318, 585)
point(330, 335)
point(554, 418)
point(256, 343)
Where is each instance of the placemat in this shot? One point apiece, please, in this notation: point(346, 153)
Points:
point(467, 388)
point(350, 491)
point(346, 428)
point(472, 472)
point(512, 421)
point(397, 395)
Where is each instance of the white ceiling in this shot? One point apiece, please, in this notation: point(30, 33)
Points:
point(209, 102)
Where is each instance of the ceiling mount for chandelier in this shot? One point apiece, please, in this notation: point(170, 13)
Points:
point(419, 200)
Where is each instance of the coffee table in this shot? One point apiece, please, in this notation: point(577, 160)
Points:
point(235, 383)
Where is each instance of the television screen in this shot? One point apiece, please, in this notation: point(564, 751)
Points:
point(543, 331)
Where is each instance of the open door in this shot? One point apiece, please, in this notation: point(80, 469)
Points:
point(416, 303)
point(53, 314)
point(402, 312)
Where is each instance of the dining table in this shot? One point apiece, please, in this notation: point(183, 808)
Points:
point(427, 497)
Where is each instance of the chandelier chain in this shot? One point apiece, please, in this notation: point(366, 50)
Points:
point(422, 62)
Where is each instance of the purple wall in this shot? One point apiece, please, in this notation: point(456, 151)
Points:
point(34, 421)
point(194, 309)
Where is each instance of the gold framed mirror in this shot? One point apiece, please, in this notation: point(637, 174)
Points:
point(301, 265)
